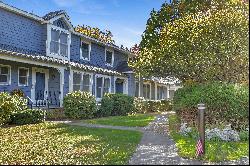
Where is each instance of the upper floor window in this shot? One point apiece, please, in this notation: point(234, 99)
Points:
point(85, 50)
point(4, 75)
point(59, 43)
point(23, 76)
point(109, 57)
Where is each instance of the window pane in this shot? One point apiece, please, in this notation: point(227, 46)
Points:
point(77, 78)
point(76, 87)
point(85, 51)
point(63, 50)
point(148, 91)
point(55, 35)
point(106, 85)
point(86, 82)
point(23, 72)
point(144, 91)
point(63, 38)
point(4, 70)
point(3, 78)
point(99, 87)
point(54, 47)
point(109, 57)
point(23, 80)
point(136, 89)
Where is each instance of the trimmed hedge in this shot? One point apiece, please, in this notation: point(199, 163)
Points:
point(145, 106)
point(29, 116)
point(10, 104)
point(225, 104)
point(79, 105)
point(116, 104)
point(55, 114)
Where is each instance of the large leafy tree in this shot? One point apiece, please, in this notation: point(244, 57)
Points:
point(197, 40)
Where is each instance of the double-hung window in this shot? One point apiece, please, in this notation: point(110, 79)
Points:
point(59, 43)
point(85, 50)
point(86, 82)
point(102, 86)
point(146, 91)
point(109, 57)
point(23, 76)
point(160, 92)
point(82, 82)
point(4, 75)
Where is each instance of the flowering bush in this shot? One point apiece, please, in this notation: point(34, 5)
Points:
point(9, 105)
point(227, 134)
point(79, 105)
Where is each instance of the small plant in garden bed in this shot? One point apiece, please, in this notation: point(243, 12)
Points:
point(137, 120)
point(216, 148)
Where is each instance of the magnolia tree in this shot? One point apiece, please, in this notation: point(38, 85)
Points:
point(197, 40)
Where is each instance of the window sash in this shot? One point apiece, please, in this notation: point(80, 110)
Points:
point(4, 75)
point(109, 57)
point(76, 81)
point(146, 91)
point(85, 51)
point(23, 79)
point(59, 43)
point(86, 82)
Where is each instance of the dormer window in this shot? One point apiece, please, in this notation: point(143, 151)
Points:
point(109, 57)
point(59, 43)
point(85, 51)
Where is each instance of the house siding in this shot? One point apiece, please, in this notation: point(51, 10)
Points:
point(21, 32)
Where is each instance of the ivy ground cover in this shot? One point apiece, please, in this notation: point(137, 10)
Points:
point(137, 120)
point(51, 143)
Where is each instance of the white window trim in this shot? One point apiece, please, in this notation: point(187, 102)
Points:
point(112, 61)
point(26, 76)
point(7, 83)
point(54, 55)
point(147, 83)
point(89, 43)
point(81, 81)
point(103, 76)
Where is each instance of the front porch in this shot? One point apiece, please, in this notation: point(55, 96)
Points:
point(44, 85)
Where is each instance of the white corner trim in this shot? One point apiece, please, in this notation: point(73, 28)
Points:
point(112, 61)
point(26, 76)
point(9, 82)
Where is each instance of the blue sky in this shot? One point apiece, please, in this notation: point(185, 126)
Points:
point(126, 19)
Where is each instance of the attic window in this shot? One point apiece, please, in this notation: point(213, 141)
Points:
point(60, 24)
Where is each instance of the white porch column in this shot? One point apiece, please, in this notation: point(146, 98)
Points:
point(156, 91)
point(70, 80)
point(61, 71)
point(168, 88)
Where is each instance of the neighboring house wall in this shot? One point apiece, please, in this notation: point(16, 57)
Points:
point(22, 33)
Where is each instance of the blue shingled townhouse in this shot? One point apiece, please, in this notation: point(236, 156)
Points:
point(46, 59)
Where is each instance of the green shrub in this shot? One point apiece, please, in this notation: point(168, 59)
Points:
point(144, 106)
point(55, 114)
point(244, 135)
point(79, 105)
point(17, 92)
point(29, 116)
point(225, 104)
point(116, 104)
point(9, 105)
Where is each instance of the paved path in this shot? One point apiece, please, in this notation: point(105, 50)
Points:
point(156, 148)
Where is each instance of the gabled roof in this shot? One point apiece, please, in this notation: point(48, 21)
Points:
point(51, 15)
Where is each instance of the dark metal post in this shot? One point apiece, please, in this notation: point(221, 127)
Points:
point(201, 123)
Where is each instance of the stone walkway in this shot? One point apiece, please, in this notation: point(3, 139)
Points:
point(156, 147)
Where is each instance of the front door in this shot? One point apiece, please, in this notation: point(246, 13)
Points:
point(40, 86)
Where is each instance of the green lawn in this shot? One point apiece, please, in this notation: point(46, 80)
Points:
point(214, 151)
point(50, 143)
point(137, 120)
